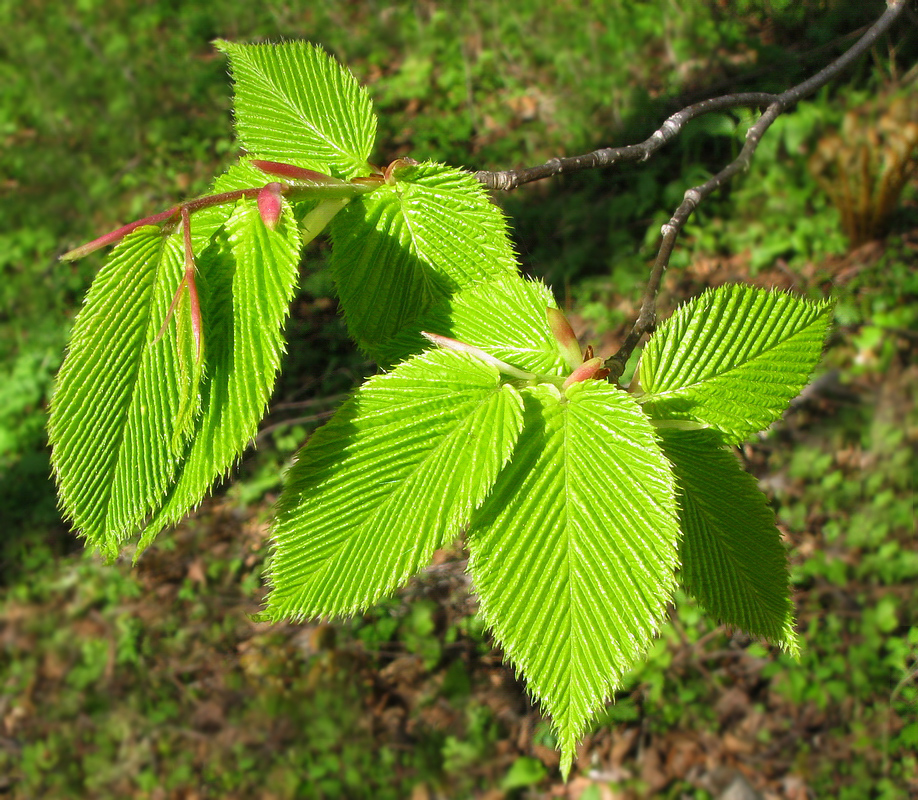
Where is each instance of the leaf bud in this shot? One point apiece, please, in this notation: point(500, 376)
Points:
point(269, 204)
point(587, 370)
point(564, 334)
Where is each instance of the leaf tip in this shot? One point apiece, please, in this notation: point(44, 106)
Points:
point(567, 759)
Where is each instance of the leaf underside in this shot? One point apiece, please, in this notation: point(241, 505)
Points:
point(394, 475)
point(732, 358)
point(573, 553)
point(733, 561)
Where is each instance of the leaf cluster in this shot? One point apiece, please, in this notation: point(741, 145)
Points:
point(578, 500)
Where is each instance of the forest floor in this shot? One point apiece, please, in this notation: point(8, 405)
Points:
point(158, 682)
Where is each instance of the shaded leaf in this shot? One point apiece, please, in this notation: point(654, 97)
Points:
point(733, 561)
point(189, 353)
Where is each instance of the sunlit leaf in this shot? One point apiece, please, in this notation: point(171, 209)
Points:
point(117, 395)
point(573, 554)
point(248, 276)
point(393, 476)
point(506, 317)
point(296, 104)
point(402, 249)
point(733, 358)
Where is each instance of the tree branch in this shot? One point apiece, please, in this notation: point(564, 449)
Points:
point(508, 179)
point(774, 105)
point(646, 321)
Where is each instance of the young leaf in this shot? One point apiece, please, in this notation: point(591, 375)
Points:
point(117, 395)
point(733, 561)
point(394, 475)
point(505, 317)
point(189, 355)
point(248, 277)
point(296, 104)
point(573, 553)
point(733, 358)
point(403, 248)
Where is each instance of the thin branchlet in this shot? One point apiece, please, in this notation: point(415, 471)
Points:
point(506, 180)
point(774, 106)
point(646, 321)
point(303, 184)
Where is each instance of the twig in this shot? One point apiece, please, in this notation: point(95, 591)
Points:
point(775, 105)
point(646, 321)
point(263, 433)
point(300, 404)
point(509, 179)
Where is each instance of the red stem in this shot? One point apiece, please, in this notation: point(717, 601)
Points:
point(188, 280)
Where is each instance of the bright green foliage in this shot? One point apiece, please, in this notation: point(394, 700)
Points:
point(297, 105)
point(408, 246)
point(141, 423)
point(393, 476)
point(573, 554)
point(250, 283)
point(733, 358)
point(506, 318)
point(574, 497)
point(117, 394)
point(733, 561)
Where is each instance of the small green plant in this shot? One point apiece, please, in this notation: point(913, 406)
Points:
point(579, 499)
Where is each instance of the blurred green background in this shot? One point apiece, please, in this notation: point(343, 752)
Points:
point(152, 682)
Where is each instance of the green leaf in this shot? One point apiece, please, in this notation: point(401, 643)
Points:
point(393, 476)
point(733, 358)
point(404, 248)
point(505, 317)
point(247, 280)
point(573, 554)
point(733, 561)
point(141, 422)
point(117, 393)
point(297, 105)
point(523, 772)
